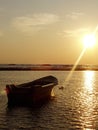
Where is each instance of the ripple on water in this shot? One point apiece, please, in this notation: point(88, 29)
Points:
point(74, 107)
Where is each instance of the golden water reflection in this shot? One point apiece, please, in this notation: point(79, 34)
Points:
point(88, 101)
point(89, 78)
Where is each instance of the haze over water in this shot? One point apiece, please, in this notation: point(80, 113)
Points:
point(74, 107)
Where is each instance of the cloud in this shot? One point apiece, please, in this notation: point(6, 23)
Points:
point(34, 22)
point(74, 15)
point(75, 33)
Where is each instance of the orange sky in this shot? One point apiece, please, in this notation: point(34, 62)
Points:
point(46, 31)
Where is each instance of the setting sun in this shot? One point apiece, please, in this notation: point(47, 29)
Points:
point(89, 40)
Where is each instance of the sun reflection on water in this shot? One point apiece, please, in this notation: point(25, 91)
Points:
point(88, 101)
point(88, 80)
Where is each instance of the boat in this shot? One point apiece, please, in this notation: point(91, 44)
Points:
point(31, 92)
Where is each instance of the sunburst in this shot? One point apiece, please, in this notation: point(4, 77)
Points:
point(89, 40)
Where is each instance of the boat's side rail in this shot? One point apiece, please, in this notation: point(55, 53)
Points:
point(46, 85)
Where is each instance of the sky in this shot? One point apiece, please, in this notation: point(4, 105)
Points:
point(47, 31)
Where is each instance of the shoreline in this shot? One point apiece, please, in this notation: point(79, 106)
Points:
point(46, 67)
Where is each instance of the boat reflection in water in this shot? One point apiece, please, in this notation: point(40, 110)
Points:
point(88, 101)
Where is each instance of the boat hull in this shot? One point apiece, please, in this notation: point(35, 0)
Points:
point(31, 94)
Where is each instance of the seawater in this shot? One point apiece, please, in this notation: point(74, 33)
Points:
point(74, 107)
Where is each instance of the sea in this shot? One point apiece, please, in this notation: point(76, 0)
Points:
point(74, 107)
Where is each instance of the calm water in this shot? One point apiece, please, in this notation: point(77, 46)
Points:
point(74, 107)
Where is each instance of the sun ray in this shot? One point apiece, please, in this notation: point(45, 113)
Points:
point(89, 41)
point(96, 29)
point(75, 65)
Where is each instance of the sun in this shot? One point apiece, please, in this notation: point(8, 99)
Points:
point(89, 40)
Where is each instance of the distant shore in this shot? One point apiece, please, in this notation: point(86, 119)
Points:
point(45, 67)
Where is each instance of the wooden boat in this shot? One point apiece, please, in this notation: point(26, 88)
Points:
point(31, 92)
